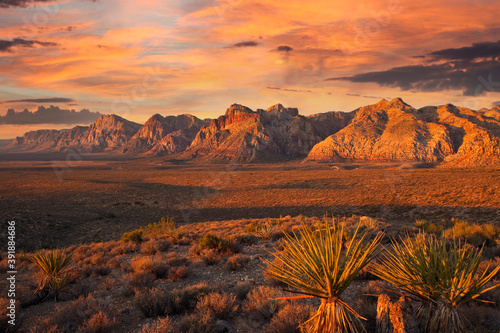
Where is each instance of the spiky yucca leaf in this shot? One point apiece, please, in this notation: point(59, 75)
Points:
point(320, 264)
point(441, 276)
point(55, 268)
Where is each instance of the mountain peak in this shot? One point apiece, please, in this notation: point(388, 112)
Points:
point(235, 109)
point(279, 108)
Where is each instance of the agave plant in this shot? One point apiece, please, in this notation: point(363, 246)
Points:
point(441, 275)
point(320, 263)
point(55, 266)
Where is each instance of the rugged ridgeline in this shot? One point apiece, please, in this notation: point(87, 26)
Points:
point(395, 131)
point(386, 131)
point(107, 133)
point(113, 134)
point(275, 134)
point(164, 135)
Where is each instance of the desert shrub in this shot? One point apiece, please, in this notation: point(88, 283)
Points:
point(242, 289)
point(155, 245)
point(138, 281)
point(320, 263)
point(178, 273)
point(265, 230)
point(222, 305)
point(160, 325)
point(98, 323)
point(186, 298)
point(213, 242)
point(55, 269)
point(195, 250)
point(197, 322)
point(262, 301)
point(155, 302)
point(76, 316)
point(441, 276)
point(152, 265)
point(210, 257)
point(173, 259)
point(125, 248)
point(167, 227)
point(132, 236)
point(474, 234)
point(368, 222)
point(251, 227)
point(237, 261)
point(289, 318)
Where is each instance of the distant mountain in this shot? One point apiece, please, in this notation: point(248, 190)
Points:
point(107, 133)
point(164, 135)
point(50, 115)
point(275, 134)
point(385, 131)
point(395, 131)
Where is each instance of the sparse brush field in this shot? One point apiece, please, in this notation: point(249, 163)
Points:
point(209, 277)
point(96, 201)
point(160, 247)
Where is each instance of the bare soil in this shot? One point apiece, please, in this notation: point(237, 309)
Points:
point(75, 202)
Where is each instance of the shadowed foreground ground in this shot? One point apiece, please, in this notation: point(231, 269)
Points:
point(87, 201)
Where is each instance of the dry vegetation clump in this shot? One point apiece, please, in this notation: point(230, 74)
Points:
point(486, 234)
point(222, 305)
point(151, 264)
point(236, 262)
point(160, 325)
point(289, 318)
point(178, 273)
point(155, 245)
point(86, 314)
point(155, 302)
point(241, 289)
point(133, 236)
point(262, 302)
point(138, 281)
point(125, 248)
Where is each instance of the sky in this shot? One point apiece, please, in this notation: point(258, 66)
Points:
point(138, 58)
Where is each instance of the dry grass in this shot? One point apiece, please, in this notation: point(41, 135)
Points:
point(152, 265)
point(221, 305)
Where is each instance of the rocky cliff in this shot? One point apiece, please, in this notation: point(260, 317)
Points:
point(275, 134)
point(395, 131)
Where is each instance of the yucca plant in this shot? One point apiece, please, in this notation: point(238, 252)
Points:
point(55, 267)
point(265, 231)
point(320, 263)
point(441, 275)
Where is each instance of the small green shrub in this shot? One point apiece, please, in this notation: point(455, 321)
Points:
point(214, 242)
point(132, 236)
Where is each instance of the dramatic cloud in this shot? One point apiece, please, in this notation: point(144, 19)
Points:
point(20, 3)
point(51, 115)
point(43, 100)
point(284, 48)
point(486, 50)
point(6, 45)
point(24, 3)
point(289, 90)
point(474, 70)
point(364, 96)
point(245, 44)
